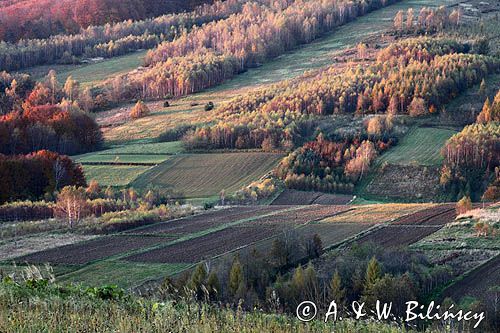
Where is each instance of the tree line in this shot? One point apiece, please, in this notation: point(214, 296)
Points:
point(427, 20)
point(471, 164)
point(43, 18)
point(256, 34)
point(109, 40)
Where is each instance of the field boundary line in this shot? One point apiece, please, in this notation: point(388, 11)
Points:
point(201, 233)
point(465, 275)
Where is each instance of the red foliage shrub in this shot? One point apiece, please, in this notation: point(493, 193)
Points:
point(32, 176)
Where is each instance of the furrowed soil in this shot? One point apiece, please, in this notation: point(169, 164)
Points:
point(205, 175)
point(231, 238)
point(438, 216)
point(295, 197)
point(27, 245)
point(331, 234)
point(375, 214)
point(207, 246)
point(398, 236)
point(83, 253)
point(477, 282)
point(411, 228)
point(204, 221)
point(300, 216)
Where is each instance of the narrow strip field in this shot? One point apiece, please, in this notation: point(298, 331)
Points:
point(397, 236)
point(134, 159)
point(205, 221)
point(294, 197)
point(296, 217)
point(374, 214)
point(238, 235)
point(439, 215)
point(116, 175)
point(411, 228)
point(205, 175)
point(207, 246)
point(83, 253)
point(332, 234)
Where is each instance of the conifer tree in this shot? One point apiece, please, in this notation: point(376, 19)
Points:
point(337, 293)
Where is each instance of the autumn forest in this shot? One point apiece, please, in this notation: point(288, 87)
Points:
point(227, 159)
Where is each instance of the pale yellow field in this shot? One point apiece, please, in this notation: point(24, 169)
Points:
point(380, 213)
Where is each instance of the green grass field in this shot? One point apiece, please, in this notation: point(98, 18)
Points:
point(157, 148)
point(123, 158)
point(420, 146)
point(122, 273)
point(205, 175)
point(116, 175)
point(90, 74)
point(123, 175)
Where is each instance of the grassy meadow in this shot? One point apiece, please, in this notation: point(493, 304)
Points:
point(93, 73)
point(114, 175)
point(421, 146)
point(206, 175)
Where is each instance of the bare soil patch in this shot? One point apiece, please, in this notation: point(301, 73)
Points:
point(439, 216)
point(295, 197)
point(207, 246)
point(205, 221)
point(477, 282)
point(331, 234)
point(19, 247)
point(405, 182)
point(92, 250)
point(300, 216)
point(398, 235)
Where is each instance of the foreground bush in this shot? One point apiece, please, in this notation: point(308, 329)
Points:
point(38, 306)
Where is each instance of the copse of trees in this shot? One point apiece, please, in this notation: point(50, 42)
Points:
point(110, 39)
point(330, 166)
point(48, 127)
point(37, 174)
point(46, 116)
point(490, 111)
point(175, 77)
point(276, 281)
point(470, 159)
point(14, 88)
point(426, 20)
